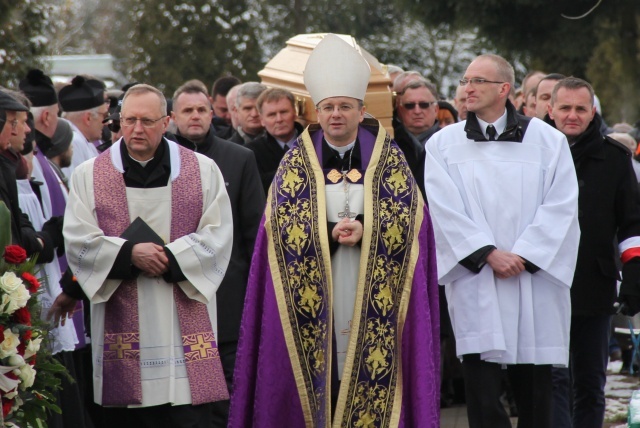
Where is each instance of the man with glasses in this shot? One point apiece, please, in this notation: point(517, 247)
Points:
point(417, 114)
point(341, 315)
point(503, 194)
point(148, 231)
point(83, 104)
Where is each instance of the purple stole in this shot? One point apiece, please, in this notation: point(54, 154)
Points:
point(58, 205)
point(121, 352)
point(391, 372)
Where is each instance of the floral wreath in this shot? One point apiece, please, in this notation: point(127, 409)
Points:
point(29, 376)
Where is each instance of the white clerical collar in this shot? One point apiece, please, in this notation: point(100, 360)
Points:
point(342, 149)
point(174, 156)
point(500, 124)
point(142, 163)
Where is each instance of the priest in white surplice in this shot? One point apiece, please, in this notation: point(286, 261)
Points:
point(503, 196)
point(153, 308)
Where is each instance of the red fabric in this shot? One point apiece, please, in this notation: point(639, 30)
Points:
point(629, 254)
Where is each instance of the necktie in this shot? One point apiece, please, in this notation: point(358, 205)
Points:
point(491, 132)
point(285, 147)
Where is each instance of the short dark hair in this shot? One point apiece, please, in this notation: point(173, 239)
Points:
point(572, 84)
point(190, 87)
point(222, 85)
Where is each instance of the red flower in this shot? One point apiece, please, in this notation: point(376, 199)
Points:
point(2, 332)
point(34, 284)
point(27, 335)
point(14, 254)
point(22, 316)
point(6, 407)
point(21, 348)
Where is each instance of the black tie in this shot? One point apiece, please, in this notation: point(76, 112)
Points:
point(491, 132)
point(285, 147)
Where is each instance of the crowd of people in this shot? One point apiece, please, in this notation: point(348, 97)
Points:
point(210, 262)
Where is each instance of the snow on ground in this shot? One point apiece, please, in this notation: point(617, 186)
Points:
point(617, 394)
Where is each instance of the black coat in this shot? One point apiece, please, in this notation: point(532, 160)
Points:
point(22, 231)
point(268, 155)
point(608, 210)
point(238, 167)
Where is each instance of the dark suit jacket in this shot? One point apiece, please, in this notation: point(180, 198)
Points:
point(268, 155)
point(238, 167)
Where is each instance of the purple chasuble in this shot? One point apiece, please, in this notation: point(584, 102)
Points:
point(391, 376)
point(121, 356)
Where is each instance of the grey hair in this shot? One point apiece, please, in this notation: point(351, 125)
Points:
point(249, 90)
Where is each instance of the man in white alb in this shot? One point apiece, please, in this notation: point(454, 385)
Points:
point(153, 307)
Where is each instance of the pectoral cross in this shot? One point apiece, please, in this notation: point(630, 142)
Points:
point(346, 213)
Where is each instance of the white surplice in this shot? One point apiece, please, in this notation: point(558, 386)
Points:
point(522, 198)
point(203, 257)
point(38, 175)
point(83, 150)
point(63, 337)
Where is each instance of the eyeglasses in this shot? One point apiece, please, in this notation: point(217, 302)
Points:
point(114, 126)
point(423, 105)
point(131, 121)
point(477, 81)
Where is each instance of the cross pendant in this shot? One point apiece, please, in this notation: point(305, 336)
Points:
point(346, 213)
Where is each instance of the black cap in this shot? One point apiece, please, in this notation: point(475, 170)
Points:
point(82, 94)
point(38, 87)
point(8, 103)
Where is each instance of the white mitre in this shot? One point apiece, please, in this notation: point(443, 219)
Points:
point(336, 69)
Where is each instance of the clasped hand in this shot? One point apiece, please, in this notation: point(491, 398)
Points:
point(505, 264)
point(150, 258)
point(347, 232)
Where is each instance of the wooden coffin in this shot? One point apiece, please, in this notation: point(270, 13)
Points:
point(285, 71)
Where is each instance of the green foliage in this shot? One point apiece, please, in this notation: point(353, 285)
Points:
point(22, 24)
point(534, 27)
point(166, 43)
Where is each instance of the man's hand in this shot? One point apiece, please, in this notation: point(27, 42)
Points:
point(629, 297)
point(62, 308)
point(347, 232)
point(150, 258)
point(505, 264)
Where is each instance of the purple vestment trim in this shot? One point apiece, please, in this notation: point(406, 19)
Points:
point(204, 368)
point(121, 350)
point(58, 203)
point(366, 138)
point(121, 367)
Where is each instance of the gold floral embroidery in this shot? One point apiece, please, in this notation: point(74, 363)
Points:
point(369, 406)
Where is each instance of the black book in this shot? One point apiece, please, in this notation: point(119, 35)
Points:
point(139, 232)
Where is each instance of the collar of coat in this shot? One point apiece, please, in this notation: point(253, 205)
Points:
point(514, 131)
